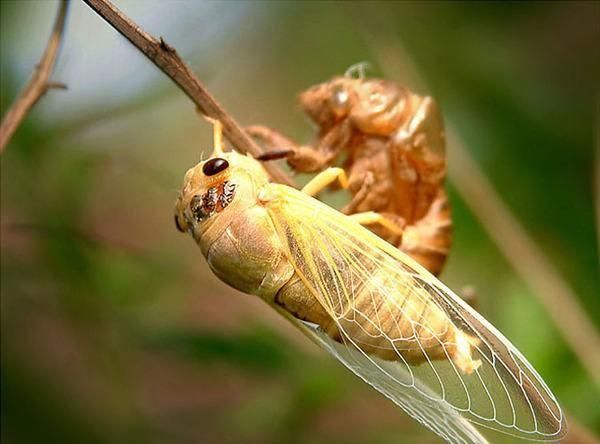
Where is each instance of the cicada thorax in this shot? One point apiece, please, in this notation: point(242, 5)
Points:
point(417, 156)
point(407, 191)
point(244, 252)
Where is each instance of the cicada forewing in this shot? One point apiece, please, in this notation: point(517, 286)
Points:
point(405, 333)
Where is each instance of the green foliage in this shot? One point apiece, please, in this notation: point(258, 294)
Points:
point(257, 350)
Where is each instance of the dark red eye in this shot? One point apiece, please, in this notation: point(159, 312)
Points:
point(214, 166)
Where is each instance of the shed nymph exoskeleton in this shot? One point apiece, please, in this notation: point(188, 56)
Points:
point(379, 312)
point(392, 144)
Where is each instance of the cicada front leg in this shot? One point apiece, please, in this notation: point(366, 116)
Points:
point(272, 139)
point(302, 158)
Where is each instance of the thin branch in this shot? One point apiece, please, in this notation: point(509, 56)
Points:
point(166, 58)
point(39, 83)
point(505, 230)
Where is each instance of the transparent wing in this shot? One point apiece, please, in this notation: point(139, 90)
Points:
point(382, 375)
point(405, 333)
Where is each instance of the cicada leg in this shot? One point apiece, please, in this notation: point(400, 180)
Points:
point(330, 175)
point(302, 158)
point(272, 139)
point(372, 218)
point(368, 179)
point(218, 144)
point(324, 179)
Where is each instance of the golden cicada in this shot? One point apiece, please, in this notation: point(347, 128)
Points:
point(375, 309)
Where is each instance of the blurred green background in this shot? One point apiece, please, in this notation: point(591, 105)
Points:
point(113, 328)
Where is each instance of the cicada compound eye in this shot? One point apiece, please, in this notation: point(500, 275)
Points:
point(214, 166)
point(340, 98)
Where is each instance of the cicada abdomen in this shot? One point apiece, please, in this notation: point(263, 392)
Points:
point(376, 306)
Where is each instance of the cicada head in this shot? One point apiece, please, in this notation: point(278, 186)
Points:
point(329, 102)
point(373, 106)
point(212, 187)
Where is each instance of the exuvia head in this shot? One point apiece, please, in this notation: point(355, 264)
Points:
point(211, 186)
point(330, 102)
point(372, 105)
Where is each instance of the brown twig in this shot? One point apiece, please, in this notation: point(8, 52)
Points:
point(578, 433)
point(166, 58)
point(496, 218)
point(519, 249)
point(39, 83)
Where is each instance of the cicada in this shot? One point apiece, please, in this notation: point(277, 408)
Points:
point(371, 306)
point(391, 143)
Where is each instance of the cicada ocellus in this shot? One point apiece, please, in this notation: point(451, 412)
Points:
point(375, 309)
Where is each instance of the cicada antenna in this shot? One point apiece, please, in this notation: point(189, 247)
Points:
point(358, 70)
